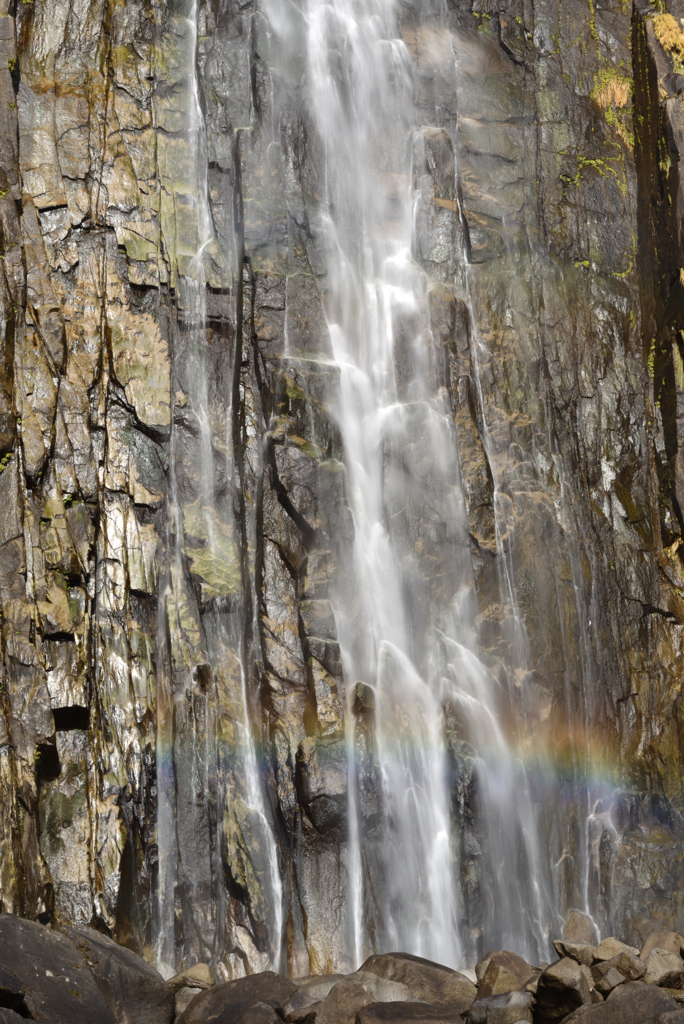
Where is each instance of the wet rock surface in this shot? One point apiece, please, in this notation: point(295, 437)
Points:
point(150, 621)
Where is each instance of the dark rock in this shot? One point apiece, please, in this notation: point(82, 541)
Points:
point(135, 992)
point(562, 988)
point(411, 1013)
point(230, 1000)
point(425, 980)
point(631, 1003)
point(260, 1013)
point(56, 983)
point(504, 972)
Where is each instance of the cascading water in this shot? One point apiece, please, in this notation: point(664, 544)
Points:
point(396, 426)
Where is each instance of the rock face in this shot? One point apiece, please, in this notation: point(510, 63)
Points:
point(176, 540)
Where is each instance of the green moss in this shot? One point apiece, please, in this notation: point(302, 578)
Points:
point(212, 551)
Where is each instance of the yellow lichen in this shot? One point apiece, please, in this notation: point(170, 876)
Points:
point(671, 38)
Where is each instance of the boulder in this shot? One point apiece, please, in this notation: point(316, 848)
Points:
point(424, 980)
point(411, 1013)
point(631, 1003)
point(670, 1017)
point(382, 990)
point(135, 992)
point(230, 1000)
point(611, 947)
point(608, 974)
point(45, 977)
point(609, 980)
point(504, 972)
point(580, 928)
point(671, 941)
point(305, 1002)
point(508, 1008)
point(342, 1003)
point(197, 976)
point(664, 969)
point(563, 987)
point(579, 951)
point(259, 1013)
point(184, 996)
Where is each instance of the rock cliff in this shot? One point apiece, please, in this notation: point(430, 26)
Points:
point(175, 534)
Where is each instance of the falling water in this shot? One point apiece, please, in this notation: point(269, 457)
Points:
point(391, 412)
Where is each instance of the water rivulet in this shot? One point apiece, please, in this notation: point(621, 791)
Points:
point(340, 487)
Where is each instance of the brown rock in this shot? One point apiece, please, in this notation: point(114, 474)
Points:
point(631, 1003)
point(505, 972)
point(562, 988)
point(664, 969)
point(579, 951)
point(342, 1004)
point(609, 980)
point(197, 976)
point(671, 941)
point(425, 980)
point(580, 928)
point(611, 947)
point(628, 966)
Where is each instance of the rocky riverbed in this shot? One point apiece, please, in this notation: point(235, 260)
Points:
point(81, 976)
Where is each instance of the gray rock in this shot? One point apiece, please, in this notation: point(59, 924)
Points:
point(135, 992)
point(432, 982)
point(342, 1003)
point(232, 999)
point(46, 977)
point(609, 980)
point(508, 1008)
point(184, 996)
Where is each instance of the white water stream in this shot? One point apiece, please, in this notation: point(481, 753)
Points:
point(396, 425)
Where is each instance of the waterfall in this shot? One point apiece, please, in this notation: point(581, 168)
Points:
point(395, 420)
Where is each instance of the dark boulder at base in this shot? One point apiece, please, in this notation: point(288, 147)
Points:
point(260, 1013)
point(406, 1013)
point(342, 1004)
point(424, 979)
point(562, 988)
point(55, 982)
point(632, 1003)
point(135, 992)
point(230, 1000)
